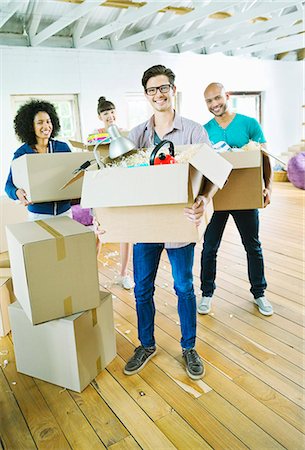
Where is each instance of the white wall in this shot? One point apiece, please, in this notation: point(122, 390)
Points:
point(92, 73)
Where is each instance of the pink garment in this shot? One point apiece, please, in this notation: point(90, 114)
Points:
point(82, 215)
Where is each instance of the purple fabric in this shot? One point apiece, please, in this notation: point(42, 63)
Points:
point(82, 215)
point(296, 170)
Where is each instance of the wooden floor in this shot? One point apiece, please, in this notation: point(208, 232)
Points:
point(252, 395)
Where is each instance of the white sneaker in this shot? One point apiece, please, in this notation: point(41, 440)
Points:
point(264, 306)
point(204, 305)
point(127, 282)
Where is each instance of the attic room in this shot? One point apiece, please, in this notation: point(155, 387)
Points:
point(73, 339)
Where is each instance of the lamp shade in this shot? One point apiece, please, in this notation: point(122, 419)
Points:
point(119, 145)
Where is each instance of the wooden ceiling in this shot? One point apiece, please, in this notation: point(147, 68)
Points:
point(272, 29)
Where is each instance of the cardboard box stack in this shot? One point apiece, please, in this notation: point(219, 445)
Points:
point(10, 212)
point(62, 325)
point(6, 298)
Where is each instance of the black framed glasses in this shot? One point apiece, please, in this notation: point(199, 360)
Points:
point(164, 89)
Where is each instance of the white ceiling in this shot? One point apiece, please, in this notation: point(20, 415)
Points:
point(272, 29)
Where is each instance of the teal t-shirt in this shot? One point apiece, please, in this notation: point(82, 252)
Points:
point(238, 133)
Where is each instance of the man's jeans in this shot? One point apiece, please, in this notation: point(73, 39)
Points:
point(247, 222)
point(146, 258)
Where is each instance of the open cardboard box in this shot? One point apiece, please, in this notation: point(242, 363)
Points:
point(244, 187)
point(54, 267)
point(68, 352)
point(43, 175)
point(146, 204)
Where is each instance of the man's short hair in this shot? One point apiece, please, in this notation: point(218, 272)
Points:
point(154, 71)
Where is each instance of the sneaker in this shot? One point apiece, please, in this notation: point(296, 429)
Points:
point(126, 282)
point(204, 306)
point(194, 364)
point(141, 356)
point(264, 306)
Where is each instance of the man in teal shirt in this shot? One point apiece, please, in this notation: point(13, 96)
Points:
point(236, 130)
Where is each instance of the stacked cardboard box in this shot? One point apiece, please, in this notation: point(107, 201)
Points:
point(10, 212)
point(6, 298)
point(62, 325)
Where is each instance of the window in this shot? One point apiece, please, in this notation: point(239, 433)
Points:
point(248, 103)
point(66, 107)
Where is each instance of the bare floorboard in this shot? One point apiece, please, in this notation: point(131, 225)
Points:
point(252, 395)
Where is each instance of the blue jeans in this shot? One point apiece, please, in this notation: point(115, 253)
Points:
point(146, 258)
point(247, 222)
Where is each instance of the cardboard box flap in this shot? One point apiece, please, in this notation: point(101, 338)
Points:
point(102, 148)
point(208, 163)
point(136, 186)
point(242, 159)
point(33, 232)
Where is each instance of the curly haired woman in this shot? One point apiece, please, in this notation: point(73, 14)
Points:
point(36, 124)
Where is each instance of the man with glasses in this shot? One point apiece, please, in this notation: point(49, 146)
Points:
point(159, 87)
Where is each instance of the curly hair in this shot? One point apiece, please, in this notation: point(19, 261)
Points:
point(104, 105)
point(24, 120)
point(154, 71)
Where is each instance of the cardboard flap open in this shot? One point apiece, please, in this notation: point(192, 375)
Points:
point(243, 159)
point(209, 163)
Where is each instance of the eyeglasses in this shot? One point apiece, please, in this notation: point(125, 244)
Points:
point(164, 88)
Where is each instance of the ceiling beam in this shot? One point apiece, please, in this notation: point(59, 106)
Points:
point(260, 42)
point(10, 10)
point(233, 35)
point(79, 28)
point(263, 8)
point(242, 44)
point(35, 18)
point(77, 12)
point(286, 44)
point(127, 19)
point(198, 13)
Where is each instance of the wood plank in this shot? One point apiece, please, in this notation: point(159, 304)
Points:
point(75, 426)
point(43, 427)
point(153, 405)
point(183, 403)
point(182, 436)
point(104, 422)
point(255, 409)
point(127, 443)
point(284, 407)
point(157, 409)
point(145, 432)
point(239, 424)
point(14, 433)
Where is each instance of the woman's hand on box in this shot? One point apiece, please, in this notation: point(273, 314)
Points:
point(21, 194)
point(195, 213)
